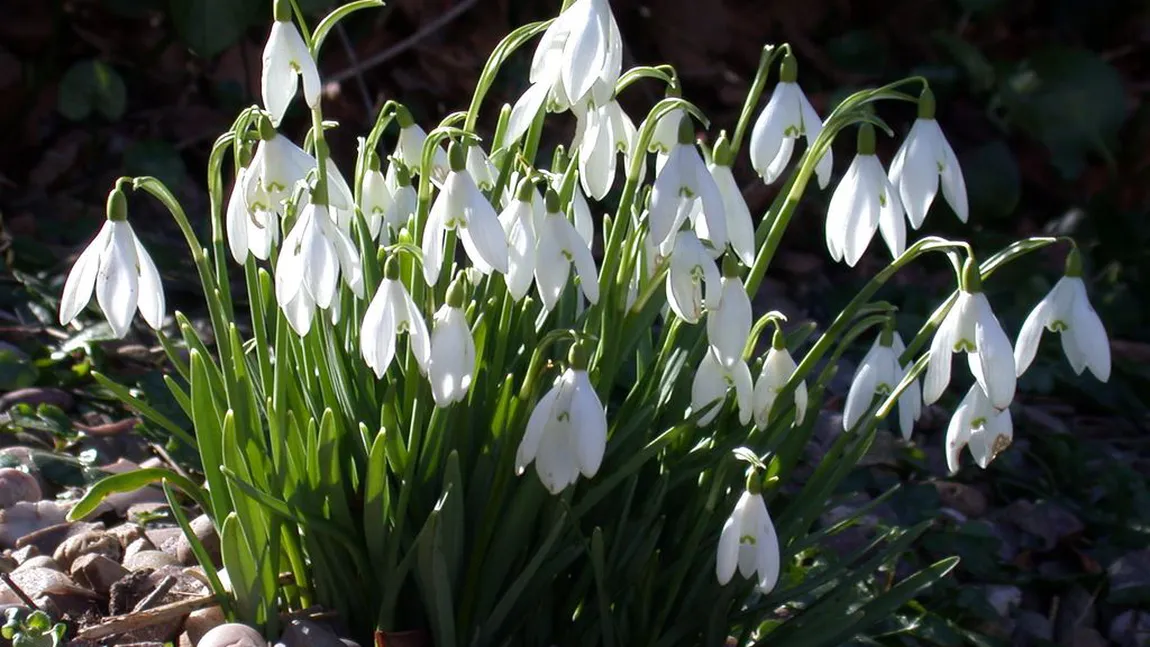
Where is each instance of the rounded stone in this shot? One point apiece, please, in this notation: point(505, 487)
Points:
point(94, 542)
point(17, 485)
point(39, 561)
point(232, 635)
point(206, 533)
point(149, 559)
point(201, 621)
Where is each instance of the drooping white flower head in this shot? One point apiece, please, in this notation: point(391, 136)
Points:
point(713, 380)
point(879, 373)
point(778, 367)
point(581, 214)
point(518, 221)
point(602, 134)
point(692, 275)
point(250, 229)
point(862, 202)
point(567, 432)
point(787, 116)
point(277, 166)
point(404, 199)
point(740, 231)
point(1067, 311)
point(924, 159)
point(971, 327)
point(481, 168)
point(409, 148)
point(121, 273)
point(558, 247)
point(978, 425)
point(452, 362)
point(391, 313)
point(462, 207)
point(375, 201)
point(683, 180)
point(285, 59)
point(749, 542)
point(314, 255)
point(729, 324)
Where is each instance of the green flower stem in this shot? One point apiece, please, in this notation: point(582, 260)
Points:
point(664, 73)
point(319, 193)
point(499, 55)
point(215, 199)
point(756, 92)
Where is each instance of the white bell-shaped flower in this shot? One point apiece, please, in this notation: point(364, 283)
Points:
point(924, 159)
point(314, 255)
point(729, 324)
point(788, 116)
point(862, 202)
point(683, 180)
point(461, 206)
point(977, 424)
point(749, 542)
point(1067, 311)
point(481, 168)
point(558, 247)
point(604, 133)
point(740, 230)
point(693, 279)
point(518, 221)
point(250, 230)
point(277, 166)
point(409, 148)
point(713, 380)
point(581, 214)
point(879, 373)
point(375, 201)
point(285, 59)
point(452, 362)
point(567, 431)
point(666, 134)
point(391, 313)
point(778, 367)
point(121, 273)
point(404, 199)
point(972, 328)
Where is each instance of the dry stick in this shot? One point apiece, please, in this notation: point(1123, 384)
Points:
point(147, 618)
point(28, 602)
point(161, 590)
point(405, 44)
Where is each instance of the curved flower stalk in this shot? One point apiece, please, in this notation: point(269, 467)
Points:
point(121, 273)
point(462, 207)
point(518, 221)
point(924, 159)
point(978, 425)
point(971, 327)
point(778, 367)
point(683, 180)
point(879, 373)
point(749, 542)
point(739, 227)
point(250, 230)
point(286, 58)
point(315, 253)
point(567, 432)
point(691, 275)
point(1067, 311)
point(558, 247)
point(712, 381)
point(864, 201)
point(729, 323)
point(452, 361)
point(392, 312)
point(787, 116)
point(602, 134)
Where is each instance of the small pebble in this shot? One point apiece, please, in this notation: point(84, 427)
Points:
point(206, 533)
point(25, 517)
point(305, 633)
point(40, 561)
point(17, 485)
point(25, 553)
point(95, 542)
point(139, 545)
point(232, 635)
point(150, 559)
point(126, 533)
point(97, 572)
point(201, 621)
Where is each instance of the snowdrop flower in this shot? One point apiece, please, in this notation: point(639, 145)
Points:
point(1067, 311)
point(924, 158)
point(729, 324)
point(683, 180)
point(980, 426)
point(713, 379)
point(375, 199)
point(739, 228)
point(518, 221)
point(567, 431)
point(581, 214)
point(286, 58)
point(558, 247)
point(787, 116)
point(749, 541)
point(315, 253)
point(666, 134)
point(602, 134)
point(778, 367)
point(404, 199)
point(971, 327)
point(119, 270)
point(462, 207)
point(249, 230)
point(452, 361)
point(863, 201)
point(391, 313)
point(692, 269)
point(879, 373)
point(278, 164)
point(409, 147)
point(480, 168)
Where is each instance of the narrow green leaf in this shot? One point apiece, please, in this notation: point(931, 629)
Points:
point(132, 481)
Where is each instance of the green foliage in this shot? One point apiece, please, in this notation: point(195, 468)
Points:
point(32, 629)
point(91, 86)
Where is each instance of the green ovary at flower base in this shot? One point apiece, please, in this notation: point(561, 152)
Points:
point(376, 451)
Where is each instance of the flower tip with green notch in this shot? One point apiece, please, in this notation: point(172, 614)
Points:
point(976, 424)
point(972, 328)
point(121, 273)
point(923, 161)
point(787, 116)
point(682, 181)
point(286, 58)
point(712, 381)
point(1067, 311)
point(692, 274)
point(749, 543)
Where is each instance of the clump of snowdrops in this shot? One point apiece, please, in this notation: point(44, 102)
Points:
point(576, 430)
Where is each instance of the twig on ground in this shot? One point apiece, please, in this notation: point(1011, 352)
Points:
point(161, 590)
point(28, 602)
point(147, 618)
